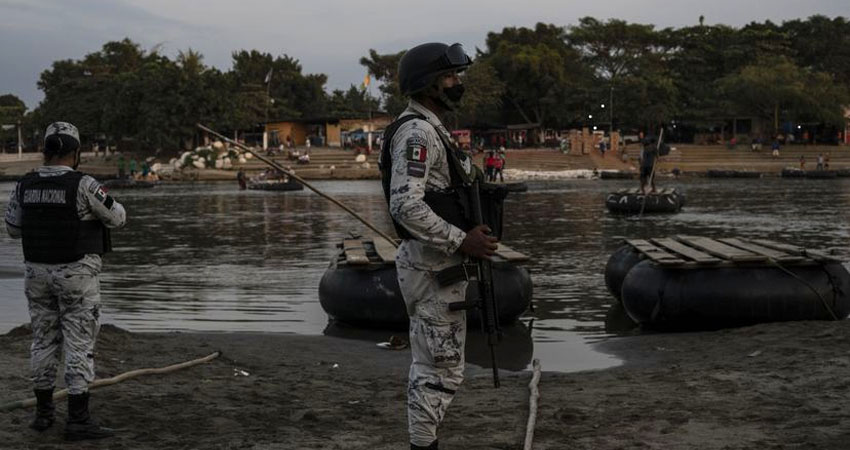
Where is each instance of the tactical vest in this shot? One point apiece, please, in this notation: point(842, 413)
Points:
point(451, 205)
point(52, 230)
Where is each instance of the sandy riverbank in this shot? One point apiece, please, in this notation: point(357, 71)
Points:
point(329, 164)
point(771, 386)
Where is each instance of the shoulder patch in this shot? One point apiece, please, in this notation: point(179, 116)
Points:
point(100, 194)
point(416, 149)
point(416, 169)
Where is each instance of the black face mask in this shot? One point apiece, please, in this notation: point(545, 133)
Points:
point(454, 93)
point(76, 159)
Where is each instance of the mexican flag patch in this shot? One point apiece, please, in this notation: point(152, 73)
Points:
point(100, 194)
point(416, 150)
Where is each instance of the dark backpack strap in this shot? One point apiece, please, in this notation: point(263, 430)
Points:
point(385, 164)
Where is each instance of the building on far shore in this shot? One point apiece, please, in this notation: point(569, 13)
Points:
point(323, 131)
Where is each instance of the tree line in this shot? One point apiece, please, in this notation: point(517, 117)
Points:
point(700, 76)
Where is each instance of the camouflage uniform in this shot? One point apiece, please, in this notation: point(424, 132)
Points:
point(64, 299)
point(437, 335)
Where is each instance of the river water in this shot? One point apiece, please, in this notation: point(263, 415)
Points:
point(207, 257)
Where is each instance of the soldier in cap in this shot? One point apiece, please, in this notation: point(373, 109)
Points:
point(63, 217)
point(424, 176)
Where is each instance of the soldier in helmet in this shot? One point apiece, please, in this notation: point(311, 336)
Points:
point(424, 176)
point(64, 218)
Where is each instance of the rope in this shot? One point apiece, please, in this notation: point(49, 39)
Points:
point(301, 180)
point(534, 394)
point(808, 285)
point(114, 380)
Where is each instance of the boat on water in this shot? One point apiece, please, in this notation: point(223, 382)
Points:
point(693, 282)
point(516, 186)
point(633, 201)
point(618, 174)
point(287, 184)
point(129, 183)
point(729, 173)
point(790, 172)
point(360, 287)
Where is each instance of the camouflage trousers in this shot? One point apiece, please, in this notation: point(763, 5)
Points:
point(437, 338)
point(64, 307)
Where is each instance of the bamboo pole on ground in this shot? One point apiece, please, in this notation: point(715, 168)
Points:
point(301, 180)
point(532, 404)
point(114, 380)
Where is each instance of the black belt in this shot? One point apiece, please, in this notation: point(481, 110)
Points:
point(458, 273)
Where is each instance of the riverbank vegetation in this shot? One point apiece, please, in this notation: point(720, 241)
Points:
point(699, 76)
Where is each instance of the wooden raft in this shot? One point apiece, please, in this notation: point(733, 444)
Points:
point(636, 191)
point(697, 251)
point(380, 251)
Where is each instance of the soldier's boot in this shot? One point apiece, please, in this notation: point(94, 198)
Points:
point(433, 446)
point(44, 410)
point(80, 425)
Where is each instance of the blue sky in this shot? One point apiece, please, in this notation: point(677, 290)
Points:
point(327, 36)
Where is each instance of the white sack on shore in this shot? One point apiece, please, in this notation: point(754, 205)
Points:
point(516, 174)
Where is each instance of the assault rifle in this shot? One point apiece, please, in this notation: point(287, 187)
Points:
point(485, 299)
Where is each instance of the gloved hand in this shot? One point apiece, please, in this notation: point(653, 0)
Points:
point(478, 243)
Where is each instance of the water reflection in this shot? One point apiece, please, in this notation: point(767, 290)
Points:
point(209, 257)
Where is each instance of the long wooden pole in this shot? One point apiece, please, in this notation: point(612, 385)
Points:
point(116, 379)
point(534, 394)
point(302, 181)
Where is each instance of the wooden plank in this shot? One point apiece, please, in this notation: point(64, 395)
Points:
point(385, 250)
point(355, 253)
point(795, 250)
point(770, 253)
point(720, 249)
point(655, 254)
point(688, 252)
point(510, 254)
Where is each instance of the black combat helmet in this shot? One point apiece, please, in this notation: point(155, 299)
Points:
point(421, 65)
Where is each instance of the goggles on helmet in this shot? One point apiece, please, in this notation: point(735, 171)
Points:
point(453, 58)
point(456, 56)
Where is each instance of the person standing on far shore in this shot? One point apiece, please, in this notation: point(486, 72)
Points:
point(499, 167)
point(240, 178)
point(490, 166)
point(122, 166)
point(63, 218)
